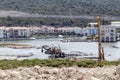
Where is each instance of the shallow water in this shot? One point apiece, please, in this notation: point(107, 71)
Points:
point(85, 47)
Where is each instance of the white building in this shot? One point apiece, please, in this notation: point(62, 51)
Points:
point(78, 30)
point(93, 31)
point(85, 31)
point(108, 33)
point(35, 30)
point(115, 23)
point(2, 32)
point(117, 26)
point(14, 32)
point(92, 24)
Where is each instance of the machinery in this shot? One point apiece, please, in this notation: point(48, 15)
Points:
point(54, 52)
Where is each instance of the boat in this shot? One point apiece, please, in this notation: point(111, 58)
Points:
point(60, 36)
point(64, 40)
point(32, 38)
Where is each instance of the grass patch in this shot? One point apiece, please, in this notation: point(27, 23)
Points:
point(10, 64)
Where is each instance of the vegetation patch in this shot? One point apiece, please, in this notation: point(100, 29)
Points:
point(64, 7)
point(10, 64)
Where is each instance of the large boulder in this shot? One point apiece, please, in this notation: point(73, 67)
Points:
point(118, 70)
point(117, 73)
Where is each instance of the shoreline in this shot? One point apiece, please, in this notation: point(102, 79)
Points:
point(62, 40)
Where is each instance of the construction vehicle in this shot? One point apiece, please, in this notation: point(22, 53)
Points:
point(55, 52)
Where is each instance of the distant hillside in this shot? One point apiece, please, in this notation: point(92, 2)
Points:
point(64, 7)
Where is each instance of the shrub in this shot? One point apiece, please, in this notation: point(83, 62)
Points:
point(8, 64)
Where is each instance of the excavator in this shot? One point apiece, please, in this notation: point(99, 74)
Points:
point(54, 52)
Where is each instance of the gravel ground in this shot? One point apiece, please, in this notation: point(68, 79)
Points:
point(64, 73)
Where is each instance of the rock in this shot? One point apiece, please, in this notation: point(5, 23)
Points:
point(55, 71)
point(46, 72)
point(2, 73)
point(87, 76)
point(93, 78)
point(118, 70)
point(36, 67)
point(32, 78)
point(63, 73)
point(80, 78)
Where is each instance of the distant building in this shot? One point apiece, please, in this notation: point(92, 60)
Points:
point(18, 32)
point(85, 31)
point(108, 33)
point(35, 30)
point(93, 31)
point(14, 32)
point(2, 32)
point(115, 23)
point(78, 31)
point(92, 24)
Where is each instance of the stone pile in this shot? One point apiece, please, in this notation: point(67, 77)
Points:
point(64, 73)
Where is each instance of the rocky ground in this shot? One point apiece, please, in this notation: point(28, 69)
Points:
point(64, 73)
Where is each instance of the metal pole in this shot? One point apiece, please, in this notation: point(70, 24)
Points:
point(99, 40)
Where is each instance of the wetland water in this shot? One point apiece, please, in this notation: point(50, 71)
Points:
point(111, 53)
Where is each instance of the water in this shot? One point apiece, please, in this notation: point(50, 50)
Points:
point(84, 47)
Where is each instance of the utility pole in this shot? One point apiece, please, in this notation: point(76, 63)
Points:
point(100, 52)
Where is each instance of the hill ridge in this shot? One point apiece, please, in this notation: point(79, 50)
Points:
point(64, 7)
